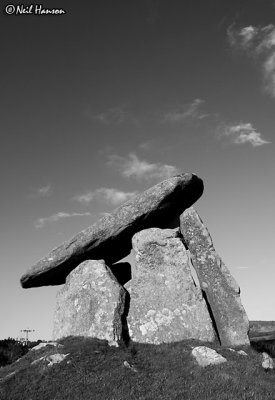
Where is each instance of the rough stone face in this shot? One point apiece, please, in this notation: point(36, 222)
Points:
point(41, 345)
point(165, 304)
point(240, 352)
point(91, 303)
point(220, 288)
point(110, 238)
point(267, 361)
point(51, 359)
point(205, 356)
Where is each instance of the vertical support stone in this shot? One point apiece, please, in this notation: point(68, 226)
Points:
point(220, 288)
point(165, 304)
point(91, 303)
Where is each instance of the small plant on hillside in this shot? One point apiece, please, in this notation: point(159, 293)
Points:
point(10, 351)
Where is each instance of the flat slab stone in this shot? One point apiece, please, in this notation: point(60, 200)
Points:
point(91, 303)
point(110, 238)
point(220, 288)
point(165, 304)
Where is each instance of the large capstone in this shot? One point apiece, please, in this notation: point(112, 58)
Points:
point(91, 303)
point(110, 238)
point(165, 304)
point(220, 288)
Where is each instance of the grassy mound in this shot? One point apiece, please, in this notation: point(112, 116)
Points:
point(93, 370)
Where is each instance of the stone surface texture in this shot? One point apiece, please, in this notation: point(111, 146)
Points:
point(110, 238)
point(267, 361)
point(91, 303)
point(240, 352)
point(165, 304)
point(206, 356)
point(42, 345)
point(51, 359)
point(221, 290)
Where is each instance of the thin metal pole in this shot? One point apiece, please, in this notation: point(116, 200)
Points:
point(27, 331)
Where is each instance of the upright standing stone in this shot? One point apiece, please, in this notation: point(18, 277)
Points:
point(165, 304)
point(91, 303)
point(220, 288)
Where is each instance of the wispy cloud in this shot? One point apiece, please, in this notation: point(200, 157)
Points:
point(241, 267)
point(132, 166)
point(241, 38)
point(44, 191)
point(109, 195)
point(186, 111)
point(41, 222)
point(113, 115)
point(146, 145)
point(259, 43)
point(242, 133)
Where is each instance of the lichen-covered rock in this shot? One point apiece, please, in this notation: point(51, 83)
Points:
point(91, 303)
point(110, 238)
point(220, 288)
point(51, 359)
point(267, 361)
point(165, 304)
point(206, 356)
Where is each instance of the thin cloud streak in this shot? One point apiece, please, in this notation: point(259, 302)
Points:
point(44, 191)
point(113, 116)
point(132, 166)
point(109, 195)
point(41, 222)
point(184, 112)
point(242, 133)
point(259, 43)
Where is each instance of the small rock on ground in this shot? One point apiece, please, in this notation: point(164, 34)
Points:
point(268, 362)
point(41, 345)
point(127, 365)
point(51, 359)
point(206, 356)
point(241, 352)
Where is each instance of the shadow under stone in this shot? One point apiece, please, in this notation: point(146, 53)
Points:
point(122, 272)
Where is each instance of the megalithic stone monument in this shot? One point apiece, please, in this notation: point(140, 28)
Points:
point(110, 237)
point(164, 303)
point(221, 291)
